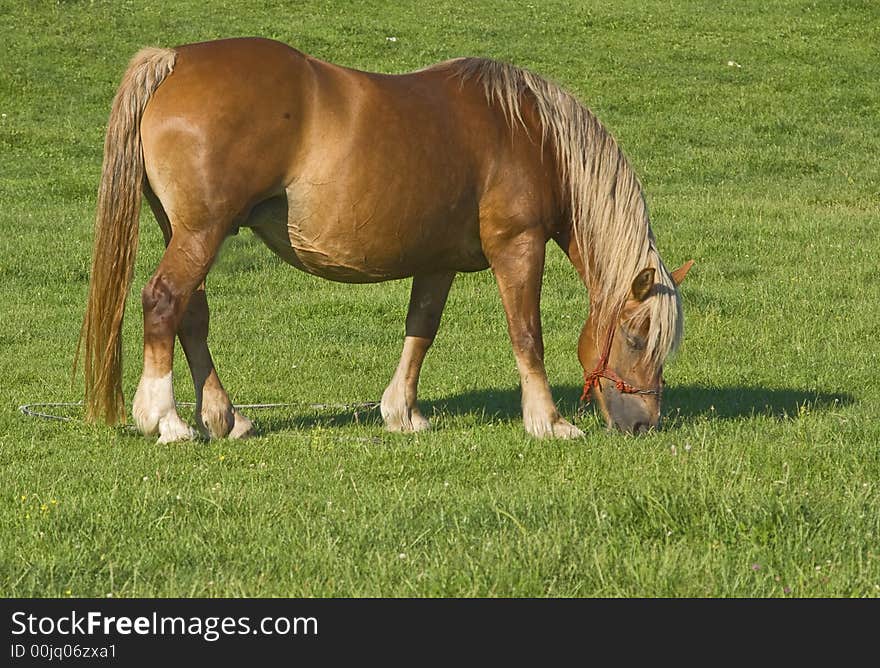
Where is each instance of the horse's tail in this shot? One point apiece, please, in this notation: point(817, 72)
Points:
point(116, 236)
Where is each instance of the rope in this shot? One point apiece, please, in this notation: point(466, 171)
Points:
point(28, 409)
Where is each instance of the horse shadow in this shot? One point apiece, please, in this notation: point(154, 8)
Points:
point(681, 402)
point(299, 418)
point(739, 401)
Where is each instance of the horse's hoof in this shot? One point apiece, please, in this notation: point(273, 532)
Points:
point(419, 422)
point(243, 428)
point(554, 428)
point(216, 423)
point(406, 421)
point(173, 429)
point(562, 428)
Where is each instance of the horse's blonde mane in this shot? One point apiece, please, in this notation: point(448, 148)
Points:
point(605, 199)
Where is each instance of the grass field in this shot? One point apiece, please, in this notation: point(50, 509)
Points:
point(754, 128)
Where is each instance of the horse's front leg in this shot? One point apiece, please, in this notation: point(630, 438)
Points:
point(518, 265)
point(427, 299)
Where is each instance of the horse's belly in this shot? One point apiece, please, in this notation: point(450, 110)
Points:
point(367, 249)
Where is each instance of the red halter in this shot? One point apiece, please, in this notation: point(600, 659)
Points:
point(591, 379)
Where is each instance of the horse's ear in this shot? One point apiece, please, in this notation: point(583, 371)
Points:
point(642, 284)
point(679, 274)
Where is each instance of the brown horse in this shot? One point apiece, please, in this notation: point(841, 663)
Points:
point(361, 177)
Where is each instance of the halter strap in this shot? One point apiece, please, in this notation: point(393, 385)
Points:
point(591, 379)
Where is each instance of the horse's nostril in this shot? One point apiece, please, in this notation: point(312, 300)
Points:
point(640, 428)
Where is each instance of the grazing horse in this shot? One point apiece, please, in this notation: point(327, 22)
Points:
point(360, 177)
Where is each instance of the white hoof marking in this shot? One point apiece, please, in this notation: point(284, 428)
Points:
point(154, 410)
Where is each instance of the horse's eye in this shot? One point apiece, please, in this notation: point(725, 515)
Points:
point(634, 341)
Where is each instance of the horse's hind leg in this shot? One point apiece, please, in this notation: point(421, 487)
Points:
point(427, 299)
point(518, 265)
point(165, 298)
point(215, 415)
point(214, 412)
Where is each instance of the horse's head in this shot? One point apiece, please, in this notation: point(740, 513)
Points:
point(623, 357)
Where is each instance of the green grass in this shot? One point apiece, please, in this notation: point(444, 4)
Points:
point(766, 480)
